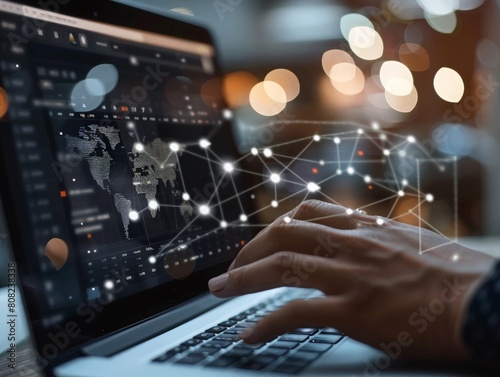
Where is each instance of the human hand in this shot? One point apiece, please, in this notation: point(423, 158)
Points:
point(378, 288)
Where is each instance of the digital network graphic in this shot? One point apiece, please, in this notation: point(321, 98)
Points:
point(380, 170)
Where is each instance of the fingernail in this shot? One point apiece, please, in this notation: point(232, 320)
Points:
point(247, 333)
point(218, 283)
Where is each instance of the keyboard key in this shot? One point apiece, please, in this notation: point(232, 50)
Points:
point(303, 356)
point(204, 336)
point(275, 351)
point(250, 346)
point(224, 361)
point(316, 347)
point(171, 353)
point(228, 323)
point(289, 368)
point(237, 318)
point(287, 345)
point(244, 325)
point(329, 339)
point(192, 358)
point(216, 329)
point(257, 363)
point(331, 331)
point(191, 342)
point(163, 358)
point(304, 331)
point(207, 351)
point(218, 344)
point(294, 338)
point(234, 331)
point(240, 352)
point(228, 338)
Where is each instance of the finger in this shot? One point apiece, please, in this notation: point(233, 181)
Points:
point(291, 235)
point(322, 312)
point(330, 215)
point(283, 269)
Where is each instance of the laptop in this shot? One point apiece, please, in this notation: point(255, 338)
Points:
point(114, 138)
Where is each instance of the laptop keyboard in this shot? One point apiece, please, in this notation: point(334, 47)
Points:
point(220, 346)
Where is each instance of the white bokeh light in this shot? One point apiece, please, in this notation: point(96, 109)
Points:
point(228, 167)
point(133, 215)
point(174, 147)
point(313, 187)
point(153, 204)
point(204, 143)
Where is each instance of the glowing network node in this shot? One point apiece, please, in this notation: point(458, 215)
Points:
point(133, 215)
point(339, 171)
point(380, 222)
point(174, 147)
point(243, 218)
point(108, 284)
point(152, 259)
point(360, 131)
point(223, 224)
point(153, 204)
point(313, 187)
point(387, 152)
point(383, 137)
point(368, 179)
point(186, 196)
point(322, 163)
point(429, 198)
point(316, 138)
point(336, 140)
point(268, 152)
point(350, 170)
point(227, 114)
point(204, 209)
point(275, 178)
point(411, 139)
point(274, 204)
point(456, 257)
point(254, 151)
point(288, 219)
point(401, 193)
point(349, 211)
point(204, 143)
point(130, 125)
point(228, 167)
point(139, 147)
point(404, 182)
point(375, 126)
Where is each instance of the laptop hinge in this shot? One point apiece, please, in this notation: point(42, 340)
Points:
point(152, 327)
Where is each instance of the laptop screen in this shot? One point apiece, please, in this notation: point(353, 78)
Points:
point(118, 154)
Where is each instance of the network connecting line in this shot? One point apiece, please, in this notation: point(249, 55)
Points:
point(278, 174)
